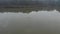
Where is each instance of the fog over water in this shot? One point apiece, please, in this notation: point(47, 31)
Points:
point(41, 22)
point(29, 16)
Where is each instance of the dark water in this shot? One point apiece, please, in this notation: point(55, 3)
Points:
point(41, 22)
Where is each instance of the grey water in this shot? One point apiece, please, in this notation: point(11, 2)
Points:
point(41, 22)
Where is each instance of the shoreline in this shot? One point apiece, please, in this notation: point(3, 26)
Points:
point(26, 9)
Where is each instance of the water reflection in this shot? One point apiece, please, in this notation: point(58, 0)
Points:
point(41, 22)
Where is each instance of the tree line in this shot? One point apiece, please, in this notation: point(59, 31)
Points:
point(30, 2)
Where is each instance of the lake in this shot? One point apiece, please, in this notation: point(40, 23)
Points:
point(40, 22)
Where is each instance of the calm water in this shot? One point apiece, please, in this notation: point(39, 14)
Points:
point(41, 22)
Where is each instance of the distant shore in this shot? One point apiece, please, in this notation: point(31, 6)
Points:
point(27, 8)
point(22, 6)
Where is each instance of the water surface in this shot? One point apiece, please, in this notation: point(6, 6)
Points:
point(40, 22)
